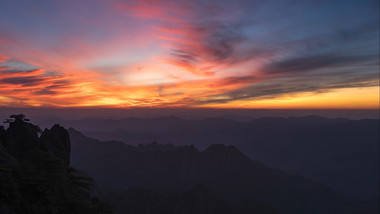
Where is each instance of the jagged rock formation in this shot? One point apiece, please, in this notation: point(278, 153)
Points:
point(35, 176)
point(21, 137)
point(5, 157)
point(57, 141)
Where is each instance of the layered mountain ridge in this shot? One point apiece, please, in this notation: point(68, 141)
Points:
point(341, 153)
point(36, 173)
point(223, 169)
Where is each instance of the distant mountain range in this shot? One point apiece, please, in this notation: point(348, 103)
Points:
point(340, 153)
point(223, 169)
point(37, 174)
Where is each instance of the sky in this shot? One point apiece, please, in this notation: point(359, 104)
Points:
point(284, 54)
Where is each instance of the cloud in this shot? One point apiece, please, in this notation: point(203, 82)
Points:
point(300, 63)
point(186, 53)
point(24, 81)
point(206, 46)
point(45, 92)
point(3, 59)
point(276, 87)
point(200, 36)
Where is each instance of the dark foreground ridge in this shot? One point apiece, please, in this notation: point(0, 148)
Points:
point(35, 175)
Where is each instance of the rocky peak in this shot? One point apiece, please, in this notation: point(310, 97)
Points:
point(3, 136)
point(5, 157)
point(57, 141)
point(223, 150)
point(218, 153)
point(21, 136)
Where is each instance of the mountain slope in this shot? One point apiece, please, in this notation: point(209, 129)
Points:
point(224, 169)
point(340, 153)
point(35, 175)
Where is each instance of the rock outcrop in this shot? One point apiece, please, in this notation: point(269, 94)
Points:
point(57, 141)
point(35, 175)
point(5, 157)
point(21, 137)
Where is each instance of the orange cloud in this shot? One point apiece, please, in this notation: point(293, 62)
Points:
point(172, 53)
point(3, 59)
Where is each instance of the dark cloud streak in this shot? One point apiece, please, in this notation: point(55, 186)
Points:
point(310, 63)
point(24, 81)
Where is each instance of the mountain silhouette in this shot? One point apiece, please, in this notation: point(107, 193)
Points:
point(340, 153)
point(222, 169)
point(35, 176)
point(36, 173)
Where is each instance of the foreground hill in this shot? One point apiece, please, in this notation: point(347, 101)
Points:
point(223, 169)
point(35, 175)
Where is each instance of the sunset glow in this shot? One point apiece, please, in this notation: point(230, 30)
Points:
point(220, 54)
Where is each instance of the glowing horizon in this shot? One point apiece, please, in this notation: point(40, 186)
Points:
point(222, 54)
